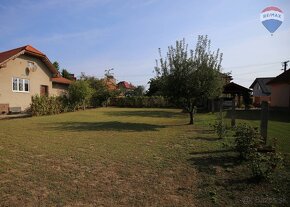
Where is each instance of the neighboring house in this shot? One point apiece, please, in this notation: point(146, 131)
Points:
point(280, 90)
point(125, 86)
point(261, 91)
point(236, 91)
point(25, 72)
point(110, 82)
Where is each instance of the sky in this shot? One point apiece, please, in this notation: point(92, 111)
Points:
point(91, 36)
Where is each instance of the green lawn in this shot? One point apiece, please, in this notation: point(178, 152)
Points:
point(123, 157)
point(278, 126)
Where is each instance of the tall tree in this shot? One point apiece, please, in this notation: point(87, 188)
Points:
point(190, 76)
point(66, 74)
point(56, 65)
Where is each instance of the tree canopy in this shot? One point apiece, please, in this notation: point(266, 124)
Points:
point(190, 76)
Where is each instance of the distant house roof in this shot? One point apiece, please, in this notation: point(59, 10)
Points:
point(233, 88)
point(110, 82)
point(10, 54)
point(125, 85)
point(282, 78)
point(263, 84)
point(61, 80)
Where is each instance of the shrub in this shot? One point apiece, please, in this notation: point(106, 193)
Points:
point(219, 127)
point(247, 140)
point(263, 160)
point(263, 164)
point(44, 105)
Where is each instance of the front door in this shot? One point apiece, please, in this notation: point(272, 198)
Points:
point(44, 90)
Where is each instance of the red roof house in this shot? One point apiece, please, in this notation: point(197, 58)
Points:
point(24, 72)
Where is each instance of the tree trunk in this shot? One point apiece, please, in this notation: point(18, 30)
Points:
point(191, 118)
point(212, 106)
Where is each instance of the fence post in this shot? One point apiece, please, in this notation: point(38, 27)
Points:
point(233, 113)
point(264, 120)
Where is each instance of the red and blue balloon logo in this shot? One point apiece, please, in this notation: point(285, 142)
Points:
point(272, 18)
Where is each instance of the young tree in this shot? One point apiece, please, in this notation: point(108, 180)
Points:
point(79, 94)
point(190, 76)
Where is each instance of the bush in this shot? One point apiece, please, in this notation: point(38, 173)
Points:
point(44, 105)
point(219, 127)
point(263, 160)
point(247, 140)
point(263, 164)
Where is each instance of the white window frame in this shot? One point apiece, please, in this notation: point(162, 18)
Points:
point(23, 80)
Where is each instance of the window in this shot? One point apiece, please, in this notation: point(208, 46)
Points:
point(20, 85)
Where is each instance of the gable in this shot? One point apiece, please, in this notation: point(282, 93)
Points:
point(262, 83)
point(7, 56)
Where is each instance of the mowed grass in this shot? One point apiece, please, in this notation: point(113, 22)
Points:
point(106, 156)
point(123, 157)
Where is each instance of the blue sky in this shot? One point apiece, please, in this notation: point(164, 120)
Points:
point(93, 35)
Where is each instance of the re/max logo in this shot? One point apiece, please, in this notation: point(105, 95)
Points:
point(272, 15)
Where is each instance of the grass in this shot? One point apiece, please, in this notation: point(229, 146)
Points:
point(278, 126)
point(123, 157)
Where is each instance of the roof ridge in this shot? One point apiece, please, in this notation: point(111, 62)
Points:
point(23, 47)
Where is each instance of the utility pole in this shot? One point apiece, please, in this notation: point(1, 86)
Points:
point(285, 64)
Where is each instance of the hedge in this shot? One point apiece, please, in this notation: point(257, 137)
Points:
point(140, 102)
point(46, 105)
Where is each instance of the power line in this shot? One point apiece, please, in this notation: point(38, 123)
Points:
point(250, 66)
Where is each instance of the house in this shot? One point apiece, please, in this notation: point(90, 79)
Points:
point(261, 91)
point(124, 85)
point(280, 90)
point(236, 91)
point(110, 82)
point(24, 72)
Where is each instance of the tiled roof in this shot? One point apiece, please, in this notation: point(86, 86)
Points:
point(61, 80)
point(282, 78)
point(263, 84)
point(5, 56)
point(126, 85)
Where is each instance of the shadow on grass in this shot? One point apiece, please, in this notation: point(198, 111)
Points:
point(256, 115)
point(204, 131)
point(104, 126)
point(208, 163)
point(208, 139)
point(154, 114)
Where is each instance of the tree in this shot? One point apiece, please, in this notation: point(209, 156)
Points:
point(66, 74)
point(79, 93)
point(190, 76)
point(56, 65)
point(100, 92)
point(155, 87)
point(138, 91)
